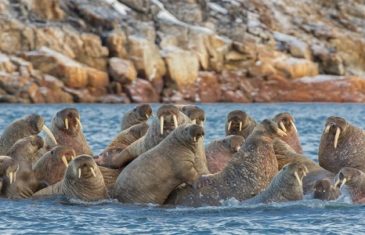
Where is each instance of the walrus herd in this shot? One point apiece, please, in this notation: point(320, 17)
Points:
point(162, 159)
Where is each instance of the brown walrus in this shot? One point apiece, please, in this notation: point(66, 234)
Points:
point(8, 170)
point(287, 185)
point(27, 126)
point(25, 153)
point(122, 141)
point(52, 165)
point(239, 123)
point(247, 174)
point(196, 114)
point(285, 154)
point(325, 190)
point(354, 179)
point(139, 114)
point(67, 129)
point(220, 152)
point(342, 145)
point(168, 118)
point(153, 175)
point(286, 123)
point(82, 180)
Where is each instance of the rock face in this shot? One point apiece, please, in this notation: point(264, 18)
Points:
point(209, 51)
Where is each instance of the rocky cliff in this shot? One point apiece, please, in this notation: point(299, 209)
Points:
point(182, 50)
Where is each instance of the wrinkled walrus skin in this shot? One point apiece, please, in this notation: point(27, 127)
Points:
point(67, 129)
point(246, 175)
point(342, 145)
point(83, 181)
point(153, 175)
point(286, 185)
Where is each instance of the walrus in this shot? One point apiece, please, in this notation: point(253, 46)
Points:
point(25, 153)
point(8, 169)
point(67, 129)
point(168, 119)
point(30, 125)
point(153, 175)
point(51, 166)
point(247, 174)
point(325, 190)
point(239, 123)
point(286, 154)
point(285, 122)
point(287, 185)
point(122, 141)
point(342, 145)
point(196, 114)
point(220, 152)
point(82, 180)
point(139, 114)
point(354, 179)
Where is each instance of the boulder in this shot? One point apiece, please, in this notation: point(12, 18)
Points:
point(141, 91)
point(48, 9)
point(116, 42)
point(122, 70)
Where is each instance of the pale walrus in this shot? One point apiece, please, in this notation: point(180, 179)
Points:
point(82, 180)
point(285, 154)
point(27, 126)
point(122, 141)
point(67, 129)
point(247, 174)
point(196, 114)
point(354, 179)
point(153, 175)
point(325, 190)
point(220, 152)
point(285, 122)
point(342, 145)
point(140, 114)
point(168, 118)
point(25, 152)
point(287, 185)
point(239, 123)
point(52, 165)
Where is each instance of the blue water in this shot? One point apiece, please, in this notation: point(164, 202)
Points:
point(102, 122)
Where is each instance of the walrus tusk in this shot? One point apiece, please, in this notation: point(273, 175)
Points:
point(339, 181)
point(282, 126)
point(194, 139)
point(202, 123)
point(66, 123)
point(92, 171)
point(238, 148)
point(229, 125)
point(161, 124)
point(147, 116)
point(64, 160)
point(281, 133)
point(193, 121)
point(175, 121)
point(337, 135)
point(240, 126)
point(298, 179)
point(79, 173)
point(49, 133)
point(295, 128)
point(11, 177)
point(327, 129)
point(79, 122)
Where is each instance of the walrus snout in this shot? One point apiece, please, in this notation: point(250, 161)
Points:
point(65, 153)
point(334, 126)
point(69, 119)
point(272, 127)
point(236, 141)
point(167, 115)
point(195, 114)
point(196, 132)
point(8, 167)
point(83, 166)
point(36, 123)
point(285, 122)
point(37, 141)
point(345, 175)
point(236, 120)
point(144, 111)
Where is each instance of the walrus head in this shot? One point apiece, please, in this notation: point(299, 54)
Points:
point(324, 190)
point(195, 132)
point(271, 128)
point(285, 121)
point(26, 149)
point(335, 126)
point(196, 114)
point(68, 120)
point(233, 142)
point(237, 120)
point(349, 176)
point(144, 111)
point(62, 154)
point(168, 115)
point(8, 168)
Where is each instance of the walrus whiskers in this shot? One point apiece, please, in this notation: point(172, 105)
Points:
point(240, 129)
point(282, 126)
point(229, 125)
point(79, 123)
point(49, 133)
point(337, 135)
point(327, 129)
point(64, 160)
point(92, 171)
point(294, 127)
point(66, 123)
point(161, 124)
point(175, 121)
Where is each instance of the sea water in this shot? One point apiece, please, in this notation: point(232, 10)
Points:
point(102, 122)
